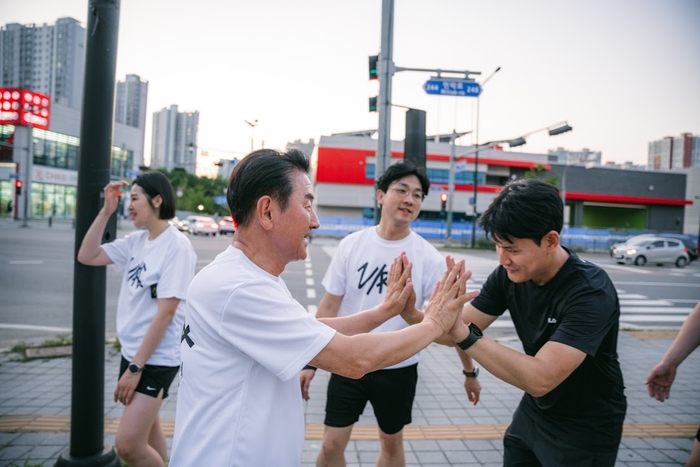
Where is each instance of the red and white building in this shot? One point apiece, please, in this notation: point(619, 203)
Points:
point(343, 172)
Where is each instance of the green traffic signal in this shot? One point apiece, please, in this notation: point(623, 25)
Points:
point(372, 104)
point(373, 59)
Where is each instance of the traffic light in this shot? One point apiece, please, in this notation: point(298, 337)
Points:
point(373, 59)
point(18, 187)
point(562, 129)
point(372, 104)
point(443, 198)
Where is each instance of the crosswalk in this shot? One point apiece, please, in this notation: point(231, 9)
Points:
point(636, 311)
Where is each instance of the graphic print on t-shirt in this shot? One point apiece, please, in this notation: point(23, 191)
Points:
point(186, 335)
point(135, 275)
point(377, 277)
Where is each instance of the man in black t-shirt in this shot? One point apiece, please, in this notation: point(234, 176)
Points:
point(566, 313)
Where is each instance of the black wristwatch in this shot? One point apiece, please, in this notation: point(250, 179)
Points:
point(471, 374)
point(135, 368)
point(474, 335)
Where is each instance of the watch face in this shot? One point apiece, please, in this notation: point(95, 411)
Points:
point(134, 368)
point(475, 329)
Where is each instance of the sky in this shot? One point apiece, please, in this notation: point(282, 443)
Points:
point(622, 73)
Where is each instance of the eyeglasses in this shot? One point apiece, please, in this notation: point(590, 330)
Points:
point(403, 192)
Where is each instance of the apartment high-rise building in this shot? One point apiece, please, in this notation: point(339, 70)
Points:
point(130, 106)
point(174, 142)
point(49, 59)
point(673, 153)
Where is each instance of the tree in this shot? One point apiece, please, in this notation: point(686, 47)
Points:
point(198, 191)
point(540, 173)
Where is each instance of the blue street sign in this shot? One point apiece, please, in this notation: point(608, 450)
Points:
point(14, 176)
point(133, 173)
point(460, 166)
point(452, 87)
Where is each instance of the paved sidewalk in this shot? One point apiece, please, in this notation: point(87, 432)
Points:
point(446, 431)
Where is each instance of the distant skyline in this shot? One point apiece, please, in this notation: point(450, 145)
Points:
point(621, 73)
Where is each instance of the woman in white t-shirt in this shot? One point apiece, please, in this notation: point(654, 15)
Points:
point(159, 264)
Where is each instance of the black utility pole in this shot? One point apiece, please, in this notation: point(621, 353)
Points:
point(87, 396)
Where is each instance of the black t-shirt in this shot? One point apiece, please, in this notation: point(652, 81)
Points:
point(578, 307)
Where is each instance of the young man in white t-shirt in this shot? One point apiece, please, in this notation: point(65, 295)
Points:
point(355, 281)
point(245, 338)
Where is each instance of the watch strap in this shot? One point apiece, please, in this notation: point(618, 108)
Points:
point(474, 335)
point(471, 374)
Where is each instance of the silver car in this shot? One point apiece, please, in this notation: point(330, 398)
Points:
point(654, 250)
point(202, 225)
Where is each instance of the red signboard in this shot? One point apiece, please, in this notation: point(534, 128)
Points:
point(24, 107)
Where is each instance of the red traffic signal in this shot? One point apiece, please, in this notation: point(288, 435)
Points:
point(443, 197)
point(18, 187)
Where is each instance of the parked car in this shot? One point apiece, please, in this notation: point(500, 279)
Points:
point(202, 225)
point(655, 250)
point(226, 226)
point(180, 224)
point(687, 242)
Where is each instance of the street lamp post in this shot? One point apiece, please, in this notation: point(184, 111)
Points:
point(451, 182)
point(563, 190)
point(553, 130)
point(476, 157)
point(252, 126)
point(590, 163)
point(450, 187)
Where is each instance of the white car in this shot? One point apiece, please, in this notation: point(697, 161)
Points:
point(202, 225)
point(654, 250)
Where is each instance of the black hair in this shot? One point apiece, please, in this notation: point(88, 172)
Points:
point(400, 170)
point(260, 173)
point(525, 208)
point(154, 184)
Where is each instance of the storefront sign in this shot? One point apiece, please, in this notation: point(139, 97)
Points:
point(24, 107)
point(54, 176)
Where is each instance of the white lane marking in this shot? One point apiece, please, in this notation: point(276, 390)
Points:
point(625, 310)
point(310, 281)
point(313, 309)
point(653, 319)
point(31, 327)
point(625, 268)
point(26, 262)
point(310, 293)
point(622, 296)
point(646, 302)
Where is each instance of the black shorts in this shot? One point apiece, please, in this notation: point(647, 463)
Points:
point(153, 378)
point(525, 444)
point(391, 393)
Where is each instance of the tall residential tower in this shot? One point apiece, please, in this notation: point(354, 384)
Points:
point(174, 142)
point(49, 59)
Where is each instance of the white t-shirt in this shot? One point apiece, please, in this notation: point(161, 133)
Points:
point(359, 269)
point(163, 267)
point(244, 343)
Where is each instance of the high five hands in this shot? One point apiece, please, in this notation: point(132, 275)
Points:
point(449, 297)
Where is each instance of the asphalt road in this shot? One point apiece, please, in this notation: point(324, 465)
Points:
point(36, 282)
